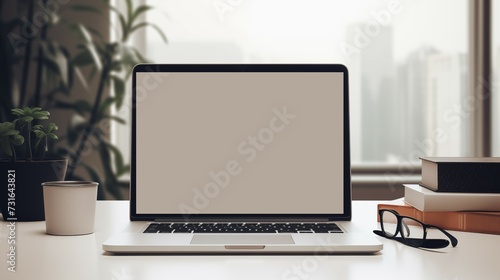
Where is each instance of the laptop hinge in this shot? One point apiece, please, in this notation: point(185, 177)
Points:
point(246, 220)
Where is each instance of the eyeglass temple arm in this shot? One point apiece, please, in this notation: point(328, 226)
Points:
point(454, 241)
point(434, 243)
point(428, 243)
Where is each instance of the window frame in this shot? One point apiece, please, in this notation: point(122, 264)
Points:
point(376, 181)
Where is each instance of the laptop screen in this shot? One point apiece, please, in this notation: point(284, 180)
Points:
point(224, 140)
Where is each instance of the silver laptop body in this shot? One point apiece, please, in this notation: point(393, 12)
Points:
point(240, 145)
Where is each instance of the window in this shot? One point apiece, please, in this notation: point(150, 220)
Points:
point(408, 63)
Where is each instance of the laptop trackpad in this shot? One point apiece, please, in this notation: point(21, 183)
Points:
point(241, 239)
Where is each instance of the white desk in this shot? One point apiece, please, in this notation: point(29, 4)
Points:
point(40, 256)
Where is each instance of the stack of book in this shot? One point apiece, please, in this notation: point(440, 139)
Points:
point(456, 194)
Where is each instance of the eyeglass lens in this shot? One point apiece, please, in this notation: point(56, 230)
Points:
point(410, 229)
point(389, 223)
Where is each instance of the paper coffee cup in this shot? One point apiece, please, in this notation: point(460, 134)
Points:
point(69, 207)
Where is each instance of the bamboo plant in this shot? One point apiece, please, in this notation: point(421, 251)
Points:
point(56, 70)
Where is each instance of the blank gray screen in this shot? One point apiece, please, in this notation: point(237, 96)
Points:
point(239, 143)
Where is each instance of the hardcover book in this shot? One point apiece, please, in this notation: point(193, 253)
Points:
point(480, 222)
point(461, 174)
point(426, 200)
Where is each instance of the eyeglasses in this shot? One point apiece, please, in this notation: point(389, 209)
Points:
point(391, 224)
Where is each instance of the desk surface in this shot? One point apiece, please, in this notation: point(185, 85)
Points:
point(41, 256)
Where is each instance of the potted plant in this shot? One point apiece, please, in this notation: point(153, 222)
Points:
point(25, 164)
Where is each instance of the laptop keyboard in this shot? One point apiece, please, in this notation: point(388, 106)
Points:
point(243, 228)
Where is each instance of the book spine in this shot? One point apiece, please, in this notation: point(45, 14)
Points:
point(482, 222)
point(426, 200)
point(468, 177)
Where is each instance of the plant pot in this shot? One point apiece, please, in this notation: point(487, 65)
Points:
point(21, 192)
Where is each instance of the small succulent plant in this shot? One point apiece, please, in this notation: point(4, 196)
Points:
point(20, 131)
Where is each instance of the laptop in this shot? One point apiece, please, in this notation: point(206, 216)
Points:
point(251, 158)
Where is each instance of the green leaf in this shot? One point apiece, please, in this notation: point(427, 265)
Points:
point(52, 136)
point(17, 112)
point(96, 33)
point(89, 45)
point(80, 106)
point(117, 155)
point(17, 140)
point(51, 66)
point(104, 107)
point(115, 118)
point(95, 56)
point(119, 87)
point(42, 115)
point(55, 59)
point(52, 127)
point(154, 26)
point(6, 126)
point(83, 58)
point(11, 133)
point(138, 11)
point(39, 133)
point(37, 127)
point(81, 78)
point(123, 22)
point(124, 170)
point(27, 119)
point(84, 33)
point(130, 8)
